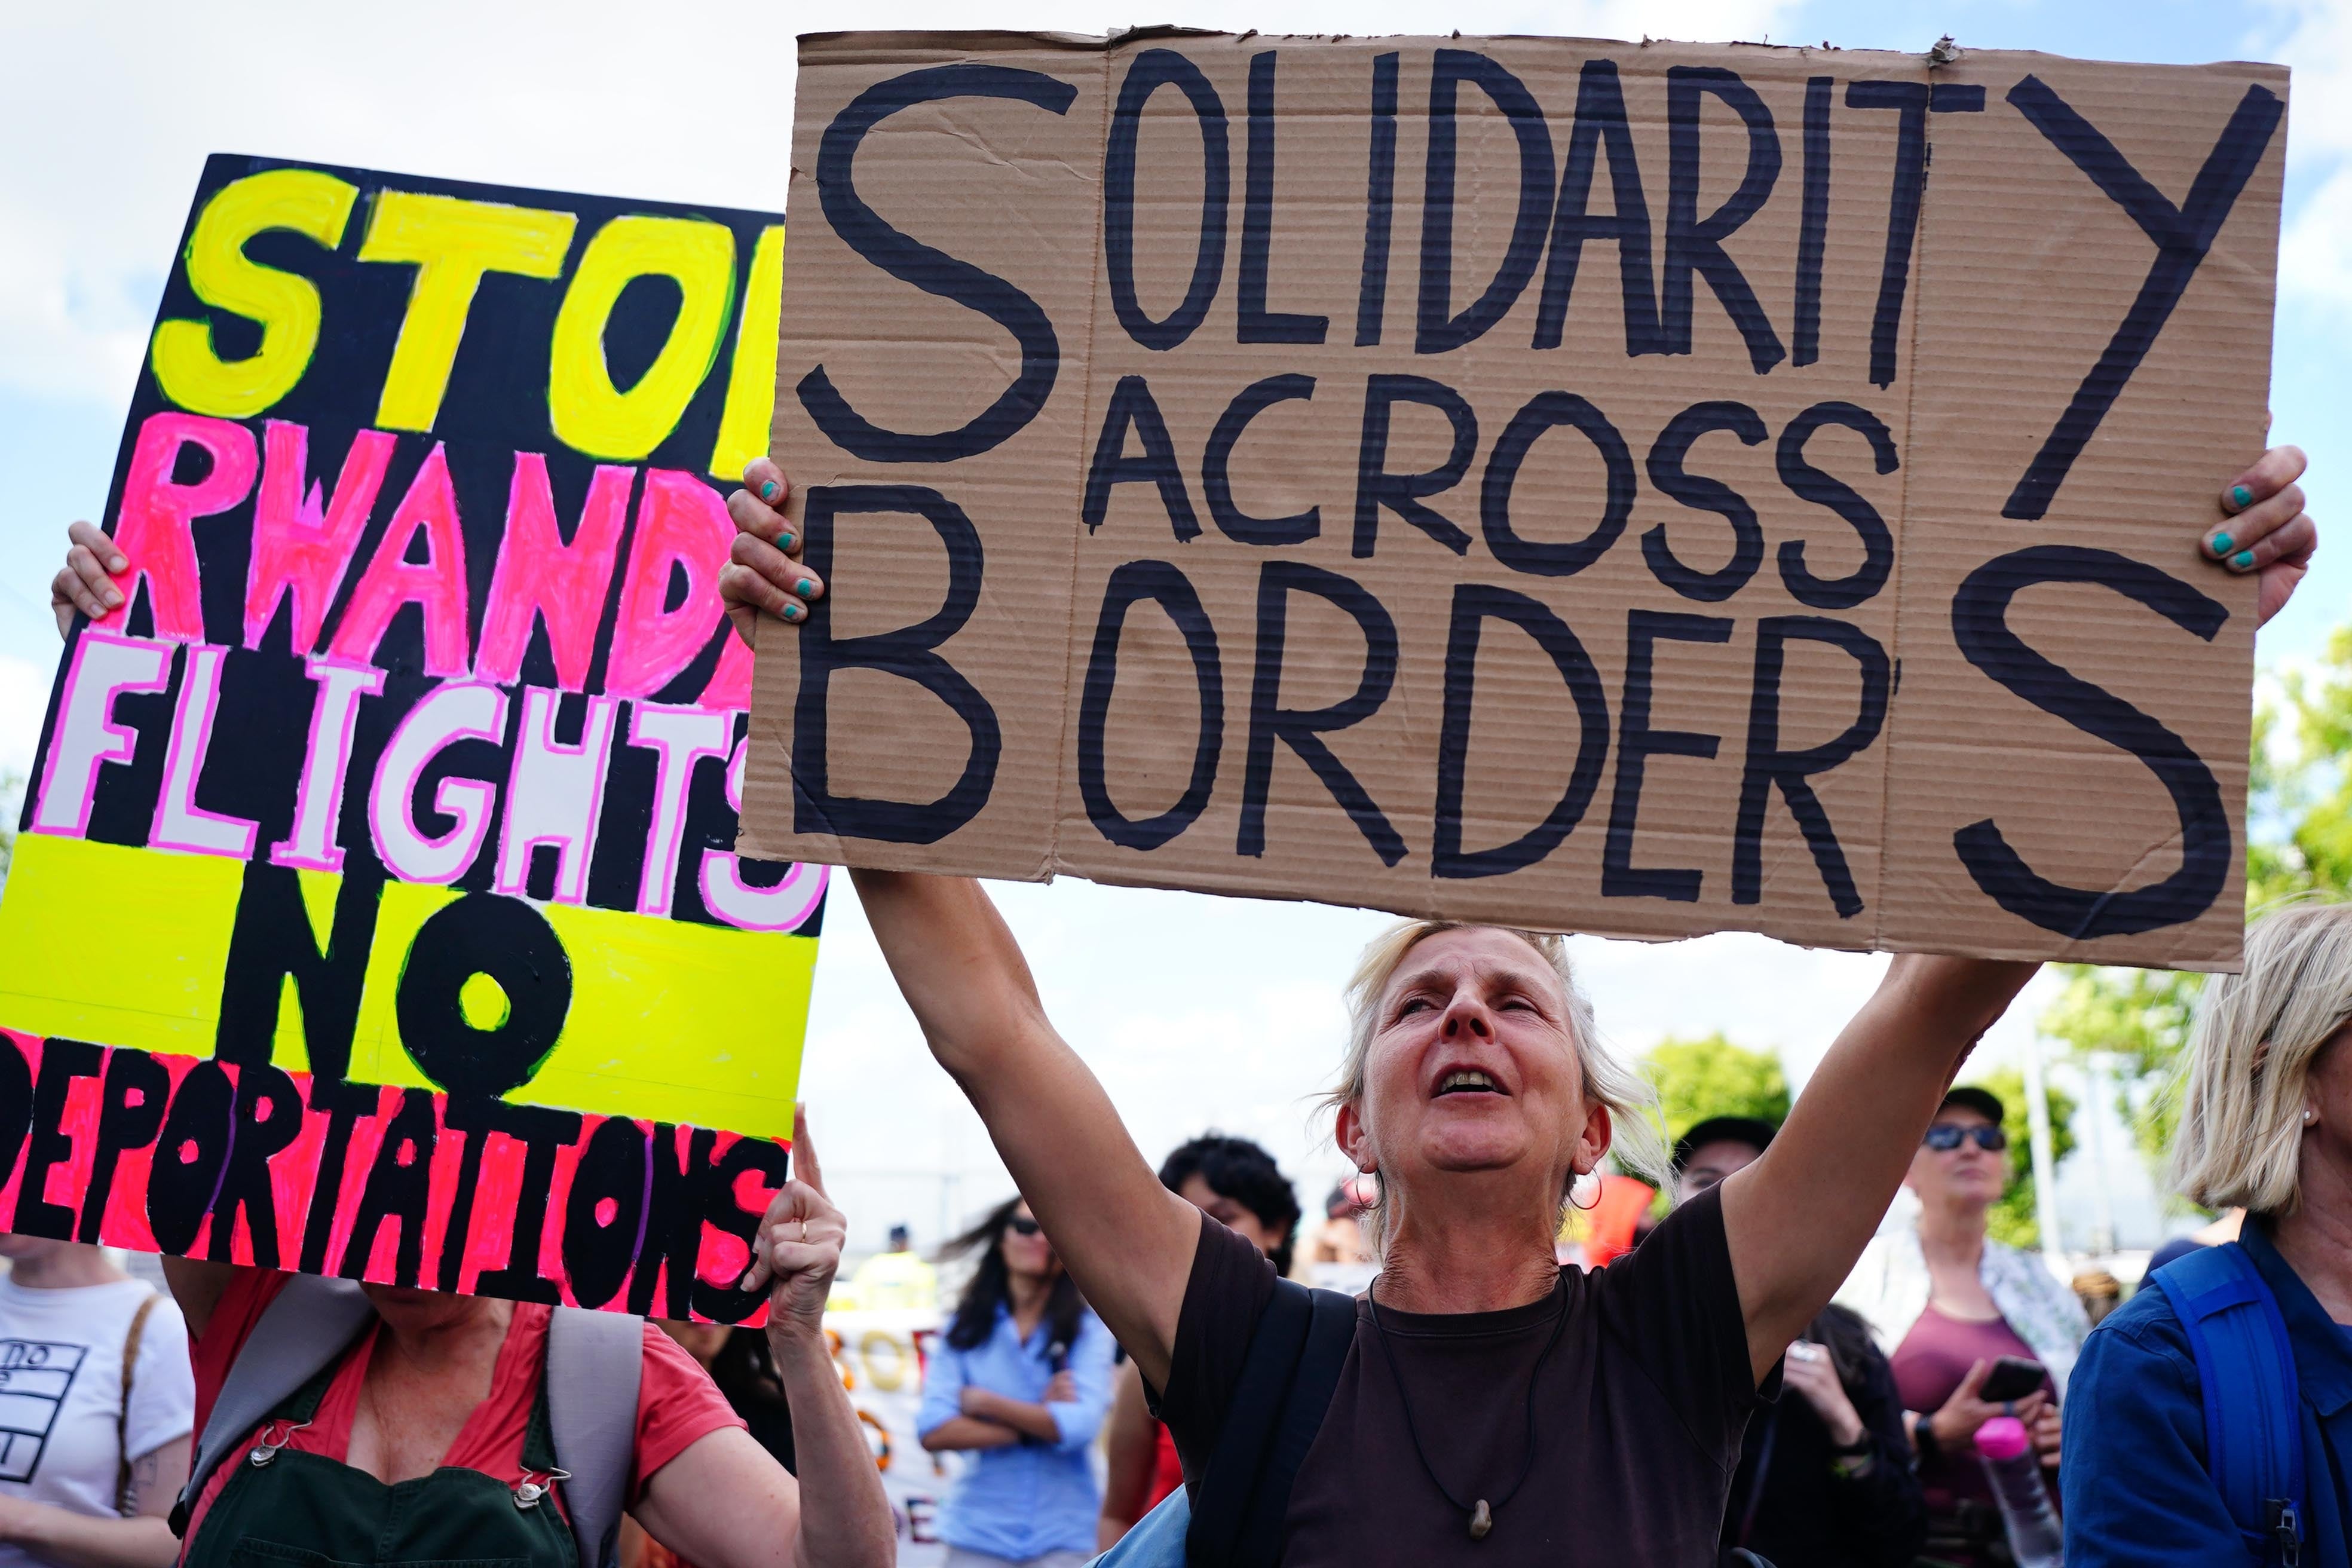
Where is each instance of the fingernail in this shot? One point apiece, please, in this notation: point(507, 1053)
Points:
point(117, 563)
point(784, 541)
point(768, 491)
point(2243, 559)
point(2221, 545)
point(2241, 497)
point(112, 598)
point(806, 589)
point(793, 612)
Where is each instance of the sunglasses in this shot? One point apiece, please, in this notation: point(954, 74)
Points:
point(1020, 1227)
point(1946, 1136)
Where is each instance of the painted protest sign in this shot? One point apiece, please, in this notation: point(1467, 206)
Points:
point(1644, 489)
point(375, 910)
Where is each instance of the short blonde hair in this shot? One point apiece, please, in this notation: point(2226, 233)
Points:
point(1635, 1143)
point(2250, 1056)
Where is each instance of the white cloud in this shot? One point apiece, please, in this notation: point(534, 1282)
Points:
point(2315, 38)
point(110, 110)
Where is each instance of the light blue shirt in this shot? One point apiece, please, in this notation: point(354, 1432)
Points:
point(1029, 1498)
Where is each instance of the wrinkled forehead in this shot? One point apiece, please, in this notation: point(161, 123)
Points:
point(1488, 954)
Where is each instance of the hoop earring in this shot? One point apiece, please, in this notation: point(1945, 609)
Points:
point(1583, 1208)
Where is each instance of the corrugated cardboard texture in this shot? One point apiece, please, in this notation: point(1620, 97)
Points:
point(1640, 489)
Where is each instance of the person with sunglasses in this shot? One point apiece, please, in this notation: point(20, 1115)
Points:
point(1021, 1381)
point(1947, 1303)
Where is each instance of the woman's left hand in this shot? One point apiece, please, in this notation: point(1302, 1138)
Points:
point(2264, 529)
point(798, 1246)
point(1810, 1371)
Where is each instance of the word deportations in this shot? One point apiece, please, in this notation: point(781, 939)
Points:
point(404, 780)
point(1642, 489)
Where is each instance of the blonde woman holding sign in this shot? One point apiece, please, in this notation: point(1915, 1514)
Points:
point(1486, 1405)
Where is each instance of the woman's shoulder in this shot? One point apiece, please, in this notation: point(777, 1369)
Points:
point(2144, 1335)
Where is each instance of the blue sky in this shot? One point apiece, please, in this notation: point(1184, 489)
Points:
point(1195, 1010)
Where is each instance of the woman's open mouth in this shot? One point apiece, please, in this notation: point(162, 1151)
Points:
point(1468, 1080)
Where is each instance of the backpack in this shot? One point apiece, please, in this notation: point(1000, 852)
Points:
point(594, 1361)
point(1233, 1517)
point(2253, 1418)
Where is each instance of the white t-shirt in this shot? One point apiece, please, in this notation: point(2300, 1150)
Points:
point(61, 1393)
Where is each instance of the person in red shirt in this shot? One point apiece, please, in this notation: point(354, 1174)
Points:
point(423, 1430)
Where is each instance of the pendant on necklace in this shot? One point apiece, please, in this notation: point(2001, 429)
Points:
point(1482, 1520)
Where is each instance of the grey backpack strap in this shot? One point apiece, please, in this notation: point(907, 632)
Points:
point(594, 1361)
point(310, 1323)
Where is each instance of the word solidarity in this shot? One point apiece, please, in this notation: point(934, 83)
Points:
point(1645, 489)
point(407, 771)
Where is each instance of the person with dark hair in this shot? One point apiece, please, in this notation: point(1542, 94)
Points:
point(1825, 1478)
point(1021, 1381)
point(1235, 1183)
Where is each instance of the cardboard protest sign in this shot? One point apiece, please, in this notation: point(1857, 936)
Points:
point(1643, 489)
point(375, 910)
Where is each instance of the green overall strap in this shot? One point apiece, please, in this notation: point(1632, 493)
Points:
point(304, 1330)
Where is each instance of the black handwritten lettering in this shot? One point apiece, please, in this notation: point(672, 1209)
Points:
point(1637, 743)
point(1164, 585)
point(1602, 126)
point(910, 653)
point(2182, 235)
point(1769, 767)
point(1437, 330)
point(1981, 626)
point(1474, 604)
point(1402, 493)
point(933, 271)
point(1303, 729)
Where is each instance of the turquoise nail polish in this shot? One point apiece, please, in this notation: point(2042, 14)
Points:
point(2241, 497)
point(768, 492)
point(793, 612)
point(804, 588)
point(2243, 559)
point(783, 542)
point(2222, 543)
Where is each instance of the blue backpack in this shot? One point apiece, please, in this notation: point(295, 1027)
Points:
point(2254, 1417)
point(1233, 1517)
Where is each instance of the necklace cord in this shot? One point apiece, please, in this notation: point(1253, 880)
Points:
point(1534, 1374)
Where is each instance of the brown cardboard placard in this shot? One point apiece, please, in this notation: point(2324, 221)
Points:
point(1636, 488)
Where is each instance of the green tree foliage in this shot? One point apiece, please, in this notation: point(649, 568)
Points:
point(2013, 1219)
point(2299, 844)
point(1712, 1077)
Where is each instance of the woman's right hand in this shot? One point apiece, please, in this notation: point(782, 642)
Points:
point(763, 572)
point(85, 583)
point(1955, 1423)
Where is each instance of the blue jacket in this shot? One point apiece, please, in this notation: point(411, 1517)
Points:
point(2133, 1469)
point(1030, 1498)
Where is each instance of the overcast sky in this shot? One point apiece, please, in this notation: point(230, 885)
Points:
point(1196, 1011)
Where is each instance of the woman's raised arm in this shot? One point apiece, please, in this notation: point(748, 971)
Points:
point(1800, 1215)
point(1125, 1240)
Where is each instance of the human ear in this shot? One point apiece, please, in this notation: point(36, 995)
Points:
point(1600, 1131)
point(1355, 1139)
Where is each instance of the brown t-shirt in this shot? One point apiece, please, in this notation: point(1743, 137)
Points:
point(1638, 1415)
